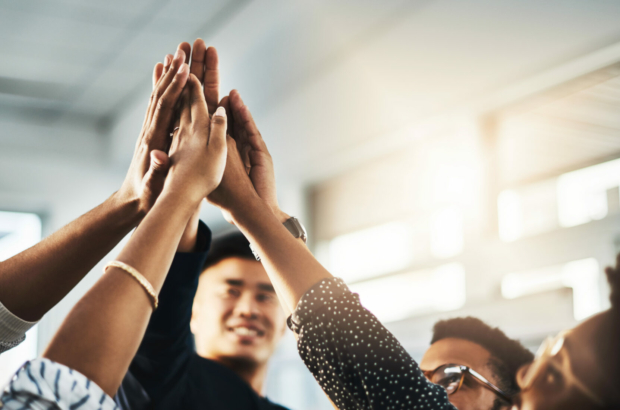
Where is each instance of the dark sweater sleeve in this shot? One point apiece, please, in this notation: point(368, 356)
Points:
point(358, 363)
point(168, 343)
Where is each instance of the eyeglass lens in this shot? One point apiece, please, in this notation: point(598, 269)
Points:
point(448, 377)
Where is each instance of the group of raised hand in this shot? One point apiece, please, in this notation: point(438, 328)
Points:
point(189, 134)
point(192, 146)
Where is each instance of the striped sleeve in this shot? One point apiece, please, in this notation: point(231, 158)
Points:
point(43, 384)
point(12, 329)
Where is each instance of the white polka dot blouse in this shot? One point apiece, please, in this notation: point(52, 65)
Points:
point(356, 360)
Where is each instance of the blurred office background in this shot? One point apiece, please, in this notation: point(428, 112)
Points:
point(449, 158)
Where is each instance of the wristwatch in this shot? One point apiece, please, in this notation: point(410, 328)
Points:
point(294, 227)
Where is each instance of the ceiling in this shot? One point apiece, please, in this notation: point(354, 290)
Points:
point(330, 83)
point(567, 128)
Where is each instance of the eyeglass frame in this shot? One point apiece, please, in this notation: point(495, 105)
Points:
point(549, 349)
point(475, 375)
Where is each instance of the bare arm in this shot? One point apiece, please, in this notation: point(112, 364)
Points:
point(32, 282)
point(204, 65)
point(248, 193)
point(102, 333)
point(290, 265)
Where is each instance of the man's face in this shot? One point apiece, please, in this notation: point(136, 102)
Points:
point(236, 314)
point(471, 395)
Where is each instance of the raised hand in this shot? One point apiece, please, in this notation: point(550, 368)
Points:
point(235, 189)
point(204, 66)
point(253, 151)
point(198, 150)
point(147, 172)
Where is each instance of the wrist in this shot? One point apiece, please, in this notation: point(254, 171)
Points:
point(282, 216)
point(127, 210)
point(177, 188)
point(178, 203)
point(252, 208)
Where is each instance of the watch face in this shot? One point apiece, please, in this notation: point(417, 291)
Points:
point(296, 228)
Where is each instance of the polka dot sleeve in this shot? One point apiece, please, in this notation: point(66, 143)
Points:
point(358, 362)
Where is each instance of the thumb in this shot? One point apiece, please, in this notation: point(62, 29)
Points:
point(159, 162)
point(153, 181)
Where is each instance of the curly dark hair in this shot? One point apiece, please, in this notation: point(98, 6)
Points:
point(609, 335)
point(507, 355)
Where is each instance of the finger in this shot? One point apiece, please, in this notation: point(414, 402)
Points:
point(165, 108)
point(159, 161)
point(211, 79)
point(254, 136)
point(235, 106)
point(217, 135)
point(186, 116)
point(157, 72)
point(147, 117)
point(187, 49)
point(197, 101)
point(225, 102)
point(245, 119)
point(164, 82)
point(197, 67)
point(167, 61)
point(156, 175)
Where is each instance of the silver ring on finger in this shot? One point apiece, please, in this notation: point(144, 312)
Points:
point(173, 131)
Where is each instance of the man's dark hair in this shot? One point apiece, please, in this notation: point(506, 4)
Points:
point(231, 245)
point(507, 355)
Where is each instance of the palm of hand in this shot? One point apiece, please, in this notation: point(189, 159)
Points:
point(252, 150)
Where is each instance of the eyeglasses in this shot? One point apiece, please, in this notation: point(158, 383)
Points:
point(451, 376)
point(545, 356)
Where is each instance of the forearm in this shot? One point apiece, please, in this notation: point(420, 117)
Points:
point(189, 239)
point(290, 265)
point(102, 333)
point(35, 280)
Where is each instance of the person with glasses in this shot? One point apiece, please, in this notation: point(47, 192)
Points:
point(579, 368)
point(475, 363)
point(357, 362)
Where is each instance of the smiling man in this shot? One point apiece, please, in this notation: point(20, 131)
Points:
point(236, 322)
point(475, 363)
point(237, 319)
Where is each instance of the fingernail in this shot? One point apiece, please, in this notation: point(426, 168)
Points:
point(182, 69)
point(177, 55)
point(167, 60)
point(220, 112)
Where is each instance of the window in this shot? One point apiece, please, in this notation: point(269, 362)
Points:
point(582, 276)
point(403, 295)
point(572, 199)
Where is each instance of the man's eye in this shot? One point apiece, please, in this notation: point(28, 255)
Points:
point(233, 292)
point(552, 379)
point(264, 297)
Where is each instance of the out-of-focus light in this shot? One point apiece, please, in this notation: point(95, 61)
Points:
point(371, 252)
point(410, 294)
point(510, 216)
point(582, 276)
point(582, 194)
point(18, 232)
point(447, 232)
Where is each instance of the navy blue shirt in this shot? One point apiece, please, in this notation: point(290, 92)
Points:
point(166, 372)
